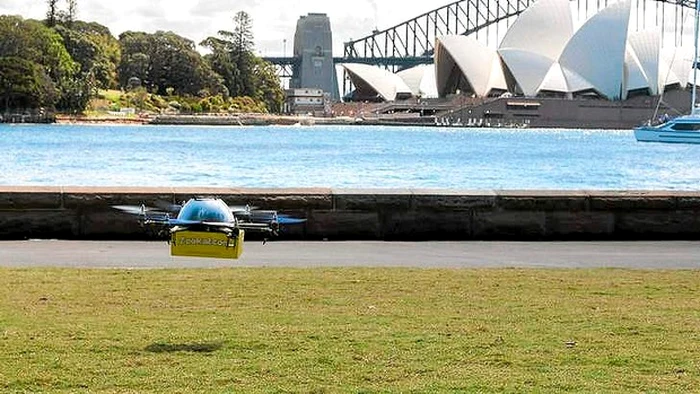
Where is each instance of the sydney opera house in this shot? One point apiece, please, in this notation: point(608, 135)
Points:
point(546, 71)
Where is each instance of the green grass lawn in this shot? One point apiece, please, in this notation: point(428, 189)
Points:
point(349, 330)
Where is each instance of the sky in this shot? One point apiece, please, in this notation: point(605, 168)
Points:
point(274, 21)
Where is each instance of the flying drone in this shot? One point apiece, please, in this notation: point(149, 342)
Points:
point(208, 227)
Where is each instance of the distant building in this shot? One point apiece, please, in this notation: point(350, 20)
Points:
point(313, 46)
point(542, 55)
point(308, 101)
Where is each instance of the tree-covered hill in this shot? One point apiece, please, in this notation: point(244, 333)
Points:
point(60, 64)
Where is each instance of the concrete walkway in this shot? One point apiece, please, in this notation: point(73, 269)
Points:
point(112, 254)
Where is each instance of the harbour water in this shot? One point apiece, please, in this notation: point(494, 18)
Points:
point(342, 157)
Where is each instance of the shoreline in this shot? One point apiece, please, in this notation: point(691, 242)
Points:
point(501, 112)
point(70, 119)
point(208, 120)
point(270, 120)
point(246, 120)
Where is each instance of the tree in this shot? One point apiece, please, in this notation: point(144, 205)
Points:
point(243, 33)
point(268, 88)
point(135, 61)
point(79, 46)
point(165, 60)
point(232, 56)
point(33, 41)
point(109, 52)
point(51, 13)
point(95, 49)
point(42, 49)
point(53, 77)
point(243, 57)
point(243, 73)
point(134, 66)
point(76, 93)
point(24, 84)
point(220, 62)
point(72, 12)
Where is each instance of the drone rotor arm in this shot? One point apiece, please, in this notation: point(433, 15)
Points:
point(269, 228)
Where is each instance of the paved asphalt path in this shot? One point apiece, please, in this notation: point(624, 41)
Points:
point(111, 254)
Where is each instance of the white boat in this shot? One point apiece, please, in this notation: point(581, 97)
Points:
point(683, 129)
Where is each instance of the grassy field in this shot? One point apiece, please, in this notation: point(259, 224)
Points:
point(100, 105)
point(349, 330)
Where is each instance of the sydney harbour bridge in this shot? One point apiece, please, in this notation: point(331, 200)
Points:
point(411, 43)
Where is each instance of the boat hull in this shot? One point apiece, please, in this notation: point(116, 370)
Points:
point(651, 134)
point(683, 130)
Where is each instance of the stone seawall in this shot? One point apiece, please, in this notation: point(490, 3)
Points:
point(247, 120)
point(395, 214)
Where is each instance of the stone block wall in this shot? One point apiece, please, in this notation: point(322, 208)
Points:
point(372, 214)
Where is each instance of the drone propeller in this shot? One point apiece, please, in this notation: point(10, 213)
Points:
point(284, 219)
point(131, 209)
point(267, 218)
point(146, 214)
point(168, 206)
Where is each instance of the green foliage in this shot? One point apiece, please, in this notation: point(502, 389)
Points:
point(243, 33)
point(32, 41)
point(242, 53)
point(138, 98)
point(243, 73)
point(111, 95)
point(159, 102)
point(44, 47)
point(165, 63)
point(220, 62)
point(24, 84)
point(267, 86)
point(48, 66)
point(55, 15)
point(205, 105)
point(72, 12)
point(196, 107)
point(135, 61)
point(51, 13)
point(76, 93)
point(66, 62)
point(217, 101)
point(95, 49)
point(245, 104)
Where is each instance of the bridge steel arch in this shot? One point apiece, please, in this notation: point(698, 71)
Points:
point(412, 42)
point(416, 37)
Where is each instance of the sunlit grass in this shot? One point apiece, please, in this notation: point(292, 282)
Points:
point(112, 95)
point(349, 330)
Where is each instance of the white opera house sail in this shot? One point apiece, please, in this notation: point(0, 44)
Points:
point(542, 53)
